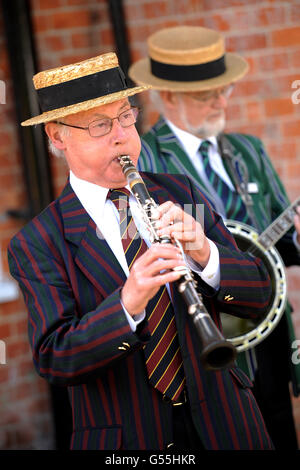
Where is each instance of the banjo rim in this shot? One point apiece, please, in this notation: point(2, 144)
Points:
point(256, 335)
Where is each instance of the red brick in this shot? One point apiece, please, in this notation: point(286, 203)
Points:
point(278, 107)
point(270, 15)
point(49, 4)
point(219, 22)
point(254, 111)
point(80, 40)
point(273, 61)
point(106, 37)
point(24, 435)
point(72, 19)
point(286, 37)
point(5, 331)
point(139, 33)
point(291, 128)
point(17, 348)
point(180, 9)
point(4, 375)
point(9, 308)
point(285, 150)
point(133, 12)
point(295, 58)
point(9, 417)
point(246, 42)
point(293, 170)
point(54, 43)
point(254, 88)
point(74, 2)
point(155, 9)
point(219, 4)
point(42, 23)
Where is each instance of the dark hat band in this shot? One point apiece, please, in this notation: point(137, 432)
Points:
point(82, 89)
point(188, 73)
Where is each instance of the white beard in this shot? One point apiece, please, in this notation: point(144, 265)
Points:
point(207, 128)
point(210, 129)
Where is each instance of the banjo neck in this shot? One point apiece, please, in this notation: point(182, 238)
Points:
point(278, 227)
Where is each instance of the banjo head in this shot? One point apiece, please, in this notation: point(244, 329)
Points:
point(247, 333)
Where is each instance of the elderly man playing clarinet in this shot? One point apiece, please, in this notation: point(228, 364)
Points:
point(105, 316)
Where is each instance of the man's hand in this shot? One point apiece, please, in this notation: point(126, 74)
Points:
point(180, 225)
point(146, 276)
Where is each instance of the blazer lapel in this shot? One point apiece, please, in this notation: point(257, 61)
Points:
point(91, 252)
point(175, 156)
point(240, 167)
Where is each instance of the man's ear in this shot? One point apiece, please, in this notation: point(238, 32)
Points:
point(169, 98)
point(54, 133)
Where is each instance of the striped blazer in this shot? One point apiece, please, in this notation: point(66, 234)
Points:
point(162, 153)
point(80, 338)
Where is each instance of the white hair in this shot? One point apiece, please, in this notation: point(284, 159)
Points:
point(157, 101)
point(64, 130)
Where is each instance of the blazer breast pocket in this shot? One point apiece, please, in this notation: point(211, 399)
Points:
point(102, 438)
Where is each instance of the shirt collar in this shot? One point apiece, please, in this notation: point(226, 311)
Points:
point(92, 196)
point(190, 142)
point(88, 193)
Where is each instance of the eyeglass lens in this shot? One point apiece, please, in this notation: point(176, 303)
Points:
point(103, 126)
point(205, 96)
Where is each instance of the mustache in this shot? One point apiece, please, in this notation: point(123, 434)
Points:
point(210, 129)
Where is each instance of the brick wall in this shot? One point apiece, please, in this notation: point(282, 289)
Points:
point(265, 32)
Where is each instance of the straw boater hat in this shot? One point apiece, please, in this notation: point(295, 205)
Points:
point(79, 87)
point(187, 58)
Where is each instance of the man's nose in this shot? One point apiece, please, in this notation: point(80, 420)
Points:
point(220, 101)
point(117, 131)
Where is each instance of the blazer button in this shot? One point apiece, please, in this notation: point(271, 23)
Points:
point(171, 444)
point(228, 298)
point(124, 347)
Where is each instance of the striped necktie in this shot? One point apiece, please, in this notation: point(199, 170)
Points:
point(234, 206)
point(162, 353)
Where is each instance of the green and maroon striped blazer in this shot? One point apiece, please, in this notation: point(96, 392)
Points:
point(80, 338)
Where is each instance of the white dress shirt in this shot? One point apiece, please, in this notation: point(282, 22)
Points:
point(191, 145)
point(106, 217)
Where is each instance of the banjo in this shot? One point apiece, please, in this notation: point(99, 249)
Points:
point(247, 333)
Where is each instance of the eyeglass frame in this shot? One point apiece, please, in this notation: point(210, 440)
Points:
point(214, 94)
point(136, 108)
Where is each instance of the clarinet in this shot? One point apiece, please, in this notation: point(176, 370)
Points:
point(216, 352)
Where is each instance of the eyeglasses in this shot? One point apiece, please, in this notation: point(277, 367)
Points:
point(103, 126)
point(208, 95)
